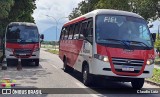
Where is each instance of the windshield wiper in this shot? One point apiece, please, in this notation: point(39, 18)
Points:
point(121, 41)
point(138, 42)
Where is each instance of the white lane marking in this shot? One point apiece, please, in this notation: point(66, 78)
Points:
point(87, 90)
point(54, 66)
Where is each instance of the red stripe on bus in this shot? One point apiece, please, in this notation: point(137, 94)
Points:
point(75, 21)
point(15, 46)
point(21, 46)
point(71, 49)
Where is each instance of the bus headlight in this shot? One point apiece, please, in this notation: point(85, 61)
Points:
point(9, 49)
point(150, 61)
point(104, 58)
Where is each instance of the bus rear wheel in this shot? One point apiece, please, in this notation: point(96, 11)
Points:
point(87, 78)
point(67, 68)
point(137, 83)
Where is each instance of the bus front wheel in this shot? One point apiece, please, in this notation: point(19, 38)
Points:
point(87, 78)
point(137, 83)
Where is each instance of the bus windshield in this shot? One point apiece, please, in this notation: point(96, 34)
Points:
point(122, 28)
point(22, 34)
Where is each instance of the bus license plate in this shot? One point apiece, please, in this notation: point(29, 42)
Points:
point(22, 54)
point(127, 68)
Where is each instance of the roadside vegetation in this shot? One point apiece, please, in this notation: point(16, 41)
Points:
point(53, 51)
point(156, 76)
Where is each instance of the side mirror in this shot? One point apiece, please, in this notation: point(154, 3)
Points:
point(150, 26)
point(153, 36)
point(42, 36)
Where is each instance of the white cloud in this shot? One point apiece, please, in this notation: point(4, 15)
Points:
point(55, 8)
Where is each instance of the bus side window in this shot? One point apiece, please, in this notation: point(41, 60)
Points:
point(76, 31)
point(90, 28)
point(62, 34)
point(83, 26)
point(66, 33)
point(71, 32)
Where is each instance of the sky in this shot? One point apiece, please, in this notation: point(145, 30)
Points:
point(59, 10)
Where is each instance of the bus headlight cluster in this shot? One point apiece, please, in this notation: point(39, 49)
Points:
point(150, 61)
point(104, 58)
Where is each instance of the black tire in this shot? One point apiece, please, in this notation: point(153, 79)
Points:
point(37, 62)
point(9, 62)
point(4, 67)
point(87, 78)
point(12, 62)
point(1, 59)
point(67, 68)
point(23, 62)
point(137, 83)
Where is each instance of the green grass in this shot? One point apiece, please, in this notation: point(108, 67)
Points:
point(53, 51)
point(157, 61)
point(156, 76)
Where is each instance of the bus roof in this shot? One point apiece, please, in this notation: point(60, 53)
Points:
point(22, 23)
point(103, 11)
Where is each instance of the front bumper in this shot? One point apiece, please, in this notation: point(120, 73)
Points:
point(103, 68)
point(10, 55)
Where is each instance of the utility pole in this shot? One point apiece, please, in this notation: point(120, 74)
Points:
point(158, 32)
point(57, 21)
point(89, 4)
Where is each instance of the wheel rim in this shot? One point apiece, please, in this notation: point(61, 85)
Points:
point(84, 76)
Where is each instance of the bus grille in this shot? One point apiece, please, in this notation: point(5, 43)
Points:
point(120, 63)
point(22, 51)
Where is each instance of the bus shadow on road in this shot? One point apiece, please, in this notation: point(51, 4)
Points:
point(100, 82)
point(24, 65)
point(108, 87)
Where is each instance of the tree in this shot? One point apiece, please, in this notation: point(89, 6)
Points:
point(21, 11)
point(16, 11)
point(149, 9)
point(75, 13)
point(5, 7)
point(83, 7)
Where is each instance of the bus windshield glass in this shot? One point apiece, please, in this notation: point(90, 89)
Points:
point(122, 28)
point(22, 34)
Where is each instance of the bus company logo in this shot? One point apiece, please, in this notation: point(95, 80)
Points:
point(128, 61)
point(127, 50)
point(23, 45)
point(6, 91)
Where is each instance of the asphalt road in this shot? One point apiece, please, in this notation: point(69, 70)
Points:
point(50, 75)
